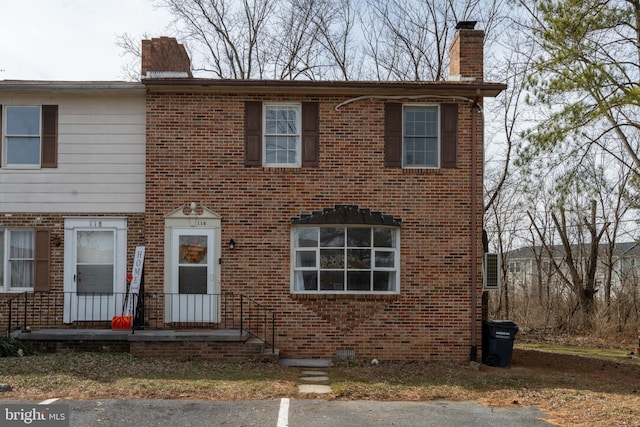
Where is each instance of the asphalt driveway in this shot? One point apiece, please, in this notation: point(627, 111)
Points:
point(294, 413)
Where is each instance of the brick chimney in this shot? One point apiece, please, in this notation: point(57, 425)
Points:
point(466, 55)
point(164, 57)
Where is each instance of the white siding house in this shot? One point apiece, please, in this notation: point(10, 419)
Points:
point(72, 192)
point(101, 149)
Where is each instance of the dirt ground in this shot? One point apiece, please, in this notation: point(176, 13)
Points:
point(573, 390)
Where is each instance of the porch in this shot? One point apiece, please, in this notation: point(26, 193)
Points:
point(221, 326)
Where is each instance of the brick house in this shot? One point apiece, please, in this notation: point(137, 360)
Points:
point(353, 210)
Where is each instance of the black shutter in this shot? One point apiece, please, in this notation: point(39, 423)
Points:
point(253, 133)
point(393, 135)
point(49, 147)
point(310, 134)
point(42, 260)
point(449, 135)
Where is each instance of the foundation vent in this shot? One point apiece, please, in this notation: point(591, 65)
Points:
point(348, 354)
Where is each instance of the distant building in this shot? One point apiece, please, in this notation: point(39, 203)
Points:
point(532, 264)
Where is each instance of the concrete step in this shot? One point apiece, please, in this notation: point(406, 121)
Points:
point(306, 363)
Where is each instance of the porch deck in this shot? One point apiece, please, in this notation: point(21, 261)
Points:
point(230, 326)
point(214, 344)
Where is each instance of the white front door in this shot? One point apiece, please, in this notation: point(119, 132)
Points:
point(192, 297)
point(95, 261)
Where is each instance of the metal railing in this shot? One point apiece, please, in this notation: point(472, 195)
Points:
point(153, 310)
point(257, 320)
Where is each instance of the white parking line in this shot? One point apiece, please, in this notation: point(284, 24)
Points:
point(283, 414)
point(48, 401)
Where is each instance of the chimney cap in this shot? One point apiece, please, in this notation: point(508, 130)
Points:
point(466, 25)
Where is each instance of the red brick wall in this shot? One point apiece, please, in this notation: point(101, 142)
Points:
point(219, 350)
point(195, 151)
point(55, 224)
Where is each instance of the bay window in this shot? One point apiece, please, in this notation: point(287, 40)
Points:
point(336, 259)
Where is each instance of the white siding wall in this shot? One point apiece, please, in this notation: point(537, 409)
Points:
point(101, 155)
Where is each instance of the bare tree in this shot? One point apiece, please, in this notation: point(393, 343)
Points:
point(232, 36)
point(579, 263)
point(509, 112)
point(324, 39)
point(293, 54)
point(337, 23)
point(132, 49)
point(409, 39)
point(614, 203)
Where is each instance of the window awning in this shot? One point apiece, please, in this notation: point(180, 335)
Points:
point(347, 214)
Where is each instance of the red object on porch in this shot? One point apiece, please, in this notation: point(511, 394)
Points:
point(121, 322)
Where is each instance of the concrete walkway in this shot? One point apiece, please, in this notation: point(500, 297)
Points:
point(311, 379)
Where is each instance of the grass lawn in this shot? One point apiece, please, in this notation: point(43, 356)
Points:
point(576, 386)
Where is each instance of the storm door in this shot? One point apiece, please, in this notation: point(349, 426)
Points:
point(94, 269)
point(192, 297)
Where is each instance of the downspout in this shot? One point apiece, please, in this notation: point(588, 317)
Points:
point(473, 234)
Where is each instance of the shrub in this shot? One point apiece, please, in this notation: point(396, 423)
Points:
point(12, 347)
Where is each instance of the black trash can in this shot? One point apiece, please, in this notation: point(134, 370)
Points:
point(497, 342)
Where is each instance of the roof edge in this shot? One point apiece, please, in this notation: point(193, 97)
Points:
point(324, 86)
point(70, 85)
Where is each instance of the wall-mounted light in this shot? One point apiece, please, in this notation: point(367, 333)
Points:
point(232, 244)
point(192, 213)
point(56, 241)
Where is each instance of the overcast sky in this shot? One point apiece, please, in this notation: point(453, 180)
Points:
point(72, 39)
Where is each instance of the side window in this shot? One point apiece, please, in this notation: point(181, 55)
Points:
point(421, 136)
point(282, 135)
point(30, 136)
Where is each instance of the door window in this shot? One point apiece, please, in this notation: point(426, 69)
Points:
point(192, 264)
point(95, 261)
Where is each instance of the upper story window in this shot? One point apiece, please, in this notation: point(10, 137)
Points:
point(29, 136)
point(17, 253)
point(22, 136)
point(282, 135)
point(421, 146)
point(421, 135)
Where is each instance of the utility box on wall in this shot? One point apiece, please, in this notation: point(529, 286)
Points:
point(490, 272)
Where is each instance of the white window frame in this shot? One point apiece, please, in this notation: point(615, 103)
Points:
point(298, 108)
point(316, 251)
point(6, 135)
point(5, 274)
point(437, 136)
